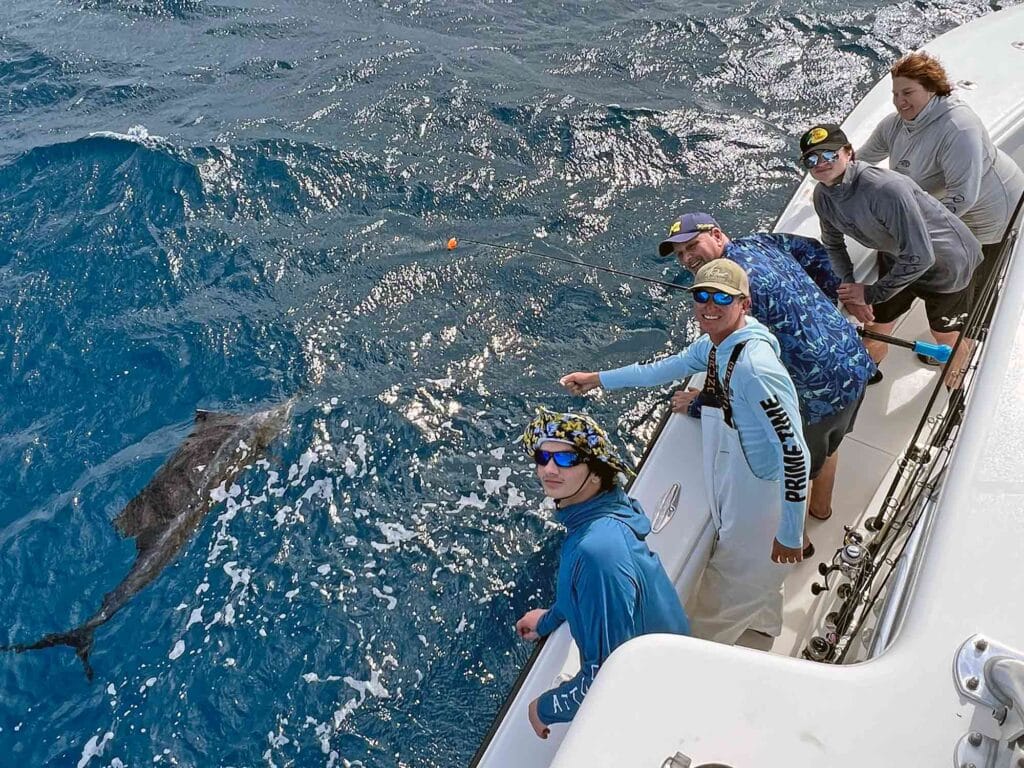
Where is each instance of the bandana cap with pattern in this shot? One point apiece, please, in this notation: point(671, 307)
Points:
point(575, 429)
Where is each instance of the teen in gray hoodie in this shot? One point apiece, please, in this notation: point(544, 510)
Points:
point(924, 251)
point(939, 142)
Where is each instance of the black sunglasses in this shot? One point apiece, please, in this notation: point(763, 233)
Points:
point(825, 156)
point(563, 459)
point(721, 298)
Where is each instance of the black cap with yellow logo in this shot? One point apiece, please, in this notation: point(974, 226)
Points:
point(824, 136)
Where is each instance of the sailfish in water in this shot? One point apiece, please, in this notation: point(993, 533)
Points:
point(165, 514)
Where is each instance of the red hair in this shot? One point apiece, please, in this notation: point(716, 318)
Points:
point(924, 69)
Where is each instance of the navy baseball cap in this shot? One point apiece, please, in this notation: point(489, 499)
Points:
point(685, 228)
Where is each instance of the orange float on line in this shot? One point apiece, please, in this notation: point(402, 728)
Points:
point(452, 243)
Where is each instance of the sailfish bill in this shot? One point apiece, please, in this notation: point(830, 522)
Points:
point(165, 514)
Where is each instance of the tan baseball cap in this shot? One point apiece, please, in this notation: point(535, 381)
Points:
point(722, 275)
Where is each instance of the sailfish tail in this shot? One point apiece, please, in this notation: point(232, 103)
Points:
point(80, 639)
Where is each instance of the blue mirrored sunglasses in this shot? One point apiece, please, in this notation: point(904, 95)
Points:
point(825, 156)
point(721, 298)
point(563, 459)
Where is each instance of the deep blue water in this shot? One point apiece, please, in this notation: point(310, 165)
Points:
point(224, 204)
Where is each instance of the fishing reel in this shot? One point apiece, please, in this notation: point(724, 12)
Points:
point(822, 647)
point(819, 649)
point(849, 561)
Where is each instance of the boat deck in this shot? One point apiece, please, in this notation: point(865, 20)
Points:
point(867, 461)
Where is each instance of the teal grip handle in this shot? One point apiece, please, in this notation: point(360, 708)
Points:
point(940, 352)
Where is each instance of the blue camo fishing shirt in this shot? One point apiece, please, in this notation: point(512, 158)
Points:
point(794, 292)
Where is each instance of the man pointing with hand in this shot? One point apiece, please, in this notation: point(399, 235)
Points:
point(755, 457)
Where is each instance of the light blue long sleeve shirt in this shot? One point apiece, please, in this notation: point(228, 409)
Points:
point(765, 411)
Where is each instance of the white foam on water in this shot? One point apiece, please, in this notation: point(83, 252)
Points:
point(323, 488)
point(237, 575)
point(313, 677)
point(221, 493)
point(370, 687)
point(282, 516)
point(179, 648)
point(392, 601)
point(324, 569)
point(443, 383)
point(491, 487)
point(196, 617)
point(395, 533)
point(469, 501)
point(360, 443)
point(516, 498)
point(350, 467)
point(137, 134)
point(297, 473)
point(498, 453)
point(462, 625)
point(94, 748)
point(272, 487)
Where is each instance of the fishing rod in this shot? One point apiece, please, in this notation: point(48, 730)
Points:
point(940, 352)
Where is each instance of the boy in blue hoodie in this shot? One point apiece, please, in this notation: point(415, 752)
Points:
point(755, 458)
point(610, 587)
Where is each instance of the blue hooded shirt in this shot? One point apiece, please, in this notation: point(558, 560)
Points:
point(611, 588)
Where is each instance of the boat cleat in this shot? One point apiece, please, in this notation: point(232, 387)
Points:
point(991, 675)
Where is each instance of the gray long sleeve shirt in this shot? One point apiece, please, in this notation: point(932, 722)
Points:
point(916, 237)
point(948, 152)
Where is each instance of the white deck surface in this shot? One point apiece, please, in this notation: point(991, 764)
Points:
point(886, 421)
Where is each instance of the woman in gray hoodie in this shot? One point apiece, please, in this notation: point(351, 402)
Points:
point(939, 142)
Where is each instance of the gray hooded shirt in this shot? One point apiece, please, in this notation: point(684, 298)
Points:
point(917, 239)
point(948, 152)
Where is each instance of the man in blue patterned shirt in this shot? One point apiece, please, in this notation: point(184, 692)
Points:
point(793, 291)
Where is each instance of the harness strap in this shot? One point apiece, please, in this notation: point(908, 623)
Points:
point(715, 393)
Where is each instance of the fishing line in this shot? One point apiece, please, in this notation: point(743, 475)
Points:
point(940, 352)
point(454, 242)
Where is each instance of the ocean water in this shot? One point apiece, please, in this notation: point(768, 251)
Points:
point(222, 205)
